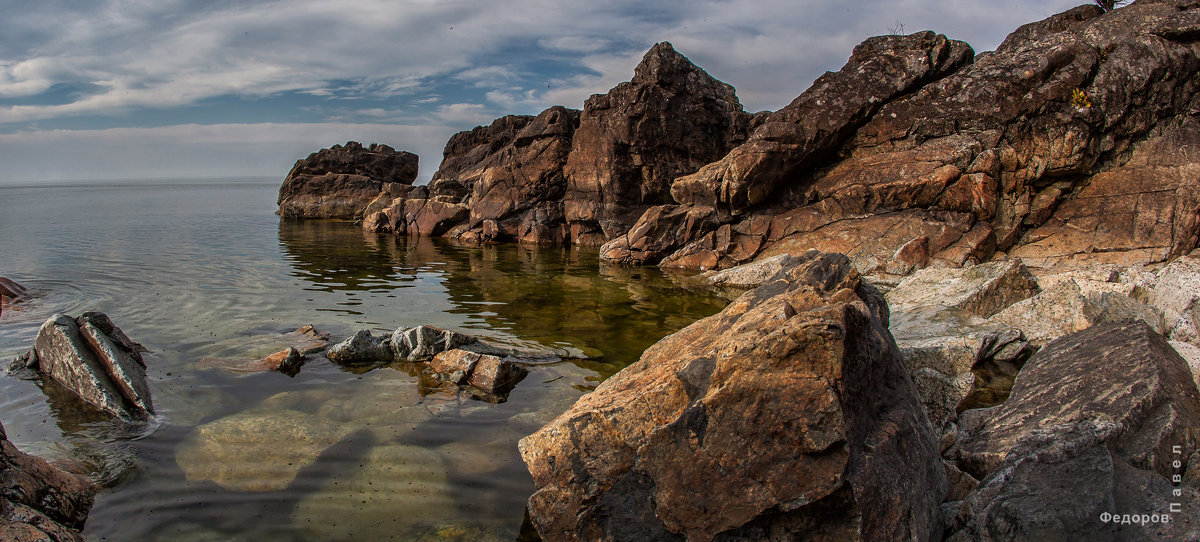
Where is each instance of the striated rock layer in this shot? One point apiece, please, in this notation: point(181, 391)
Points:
point(1077, 140)
point(801, 372)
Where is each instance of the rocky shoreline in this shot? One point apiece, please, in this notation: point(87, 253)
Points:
point(965, 297)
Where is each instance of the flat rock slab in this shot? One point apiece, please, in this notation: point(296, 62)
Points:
point(258, 450)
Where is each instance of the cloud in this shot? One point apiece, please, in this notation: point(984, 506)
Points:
point(464, 113)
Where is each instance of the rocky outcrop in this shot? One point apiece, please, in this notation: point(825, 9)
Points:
point(1076, 442)
point(93, 358)
point(800, 372)
point(1074, 142)
point(669, 120)
point(339, 182)
point(38, 501)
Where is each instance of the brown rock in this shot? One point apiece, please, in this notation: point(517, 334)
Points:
point(669, 120)
point(39, 501)
point(495, 375)
point(802, 373)
point(339, 182)
point(806, 132)
point(431, 217)
point(287, 361)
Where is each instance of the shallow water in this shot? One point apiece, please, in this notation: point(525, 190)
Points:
point(206, 270)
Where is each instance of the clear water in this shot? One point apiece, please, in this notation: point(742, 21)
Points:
point(196, 271)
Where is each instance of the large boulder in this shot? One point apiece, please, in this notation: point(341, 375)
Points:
point(787, 415)
point(1076, 443)
point(631, 143)
point(339, 182)
point(514, 167)
point(38, 501)
point(93, 358)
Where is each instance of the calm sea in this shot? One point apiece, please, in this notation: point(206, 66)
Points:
point(204, 271)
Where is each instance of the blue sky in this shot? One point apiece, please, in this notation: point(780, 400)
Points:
point(130, 89)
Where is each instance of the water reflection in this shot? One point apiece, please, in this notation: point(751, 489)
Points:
point(550, 295)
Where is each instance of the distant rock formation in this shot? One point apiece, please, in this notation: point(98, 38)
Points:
point(340, 181)
point(38, 501)
point(93, 358)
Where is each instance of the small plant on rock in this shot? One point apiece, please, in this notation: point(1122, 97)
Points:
point(1079, 99)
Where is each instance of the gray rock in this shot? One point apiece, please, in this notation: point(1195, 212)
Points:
point(65, 355)
point(125, 370)
point(750, 275)
point(362, 347)
point(421, 343)
point(1065, 308)
point(981, 290)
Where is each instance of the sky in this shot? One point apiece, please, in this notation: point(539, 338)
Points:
point(170, 89)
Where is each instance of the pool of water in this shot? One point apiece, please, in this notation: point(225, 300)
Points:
point(196, 271)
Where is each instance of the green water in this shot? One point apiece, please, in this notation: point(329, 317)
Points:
point(197, 271)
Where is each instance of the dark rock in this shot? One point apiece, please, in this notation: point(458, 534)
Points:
point(788, 413)
point(287, 361)
point(362, 347)
point(38, 501)
point(9, 291)
point(100, 369)
point(339, 182)
point(1088, 375)
point(669, 120)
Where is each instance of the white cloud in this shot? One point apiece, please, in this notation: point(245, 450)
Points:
point(464, 113)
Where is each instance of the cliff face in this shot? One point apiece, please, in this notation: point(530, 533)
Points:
point(1076, 141)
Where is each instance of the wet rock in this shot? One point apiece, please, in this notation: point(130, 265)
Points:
point(362, 347)
point(339, 182)
point(257, 450)
point(489, 373)
point(1087, 375)
point(104, 369)
point(421, 343)
point(287, 361)
point(631, 143)
point(9, 291)
point(791, 408)
point(38, 501)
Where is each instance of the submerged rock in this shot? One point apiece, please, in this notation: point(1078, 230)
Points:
point(790, 409)
point(9, 291)
point(288, 352)
point(398, 489)
point(257, 450)
point(421, 343)
point(94, 359)
point(38, 501)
